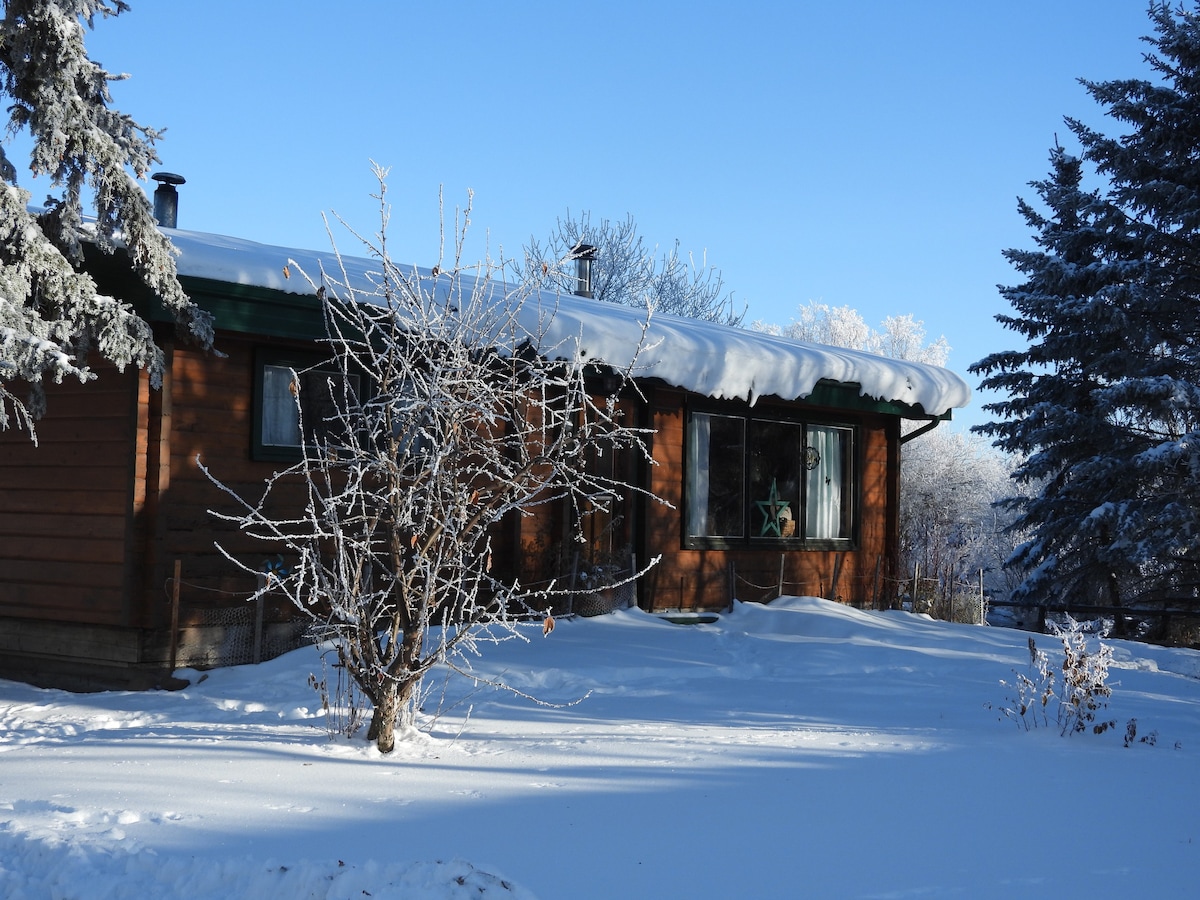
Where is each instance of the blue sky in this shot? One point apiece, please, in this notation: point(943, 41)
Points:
point(863, 154)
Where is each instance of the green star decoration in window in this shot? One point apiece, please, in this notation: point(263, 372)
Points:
point(771, 508)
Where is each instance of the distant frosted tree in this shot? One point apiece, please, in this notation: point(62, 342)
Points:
point(951, 529)
point(900, 337)
point(628, 272)
point(819, 323)
point(51, 315)
point(1104, 401)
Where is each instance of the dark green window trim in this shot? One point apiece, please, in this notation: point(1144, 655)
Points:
point(270, 438)
point(757, 480)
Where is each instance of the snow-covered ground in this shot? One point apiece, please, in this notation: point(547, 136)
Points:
point(802, 749)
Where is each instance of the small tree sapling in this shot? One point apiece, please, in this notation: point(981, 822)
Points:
point(452, 413)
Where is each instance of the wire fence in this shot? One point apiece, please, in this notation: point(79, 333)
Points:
point(207, 636)
point(948, 599)
point(235, 636)
point(955, 601)
point(594, 590)
point(234, 630)
point(874, 590)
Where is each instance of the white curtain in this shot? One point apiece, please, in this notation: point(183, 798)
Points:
point(823, 508)
point(280, 414)
point(699, 433)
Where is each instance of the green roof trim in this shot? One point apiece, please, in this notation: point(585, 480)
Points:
point(248, 309)
point(243, 308)
point(839, 395)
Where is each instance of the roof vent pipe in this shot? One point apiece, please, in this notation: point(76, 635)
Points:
point(166, 199)
point(584, 255)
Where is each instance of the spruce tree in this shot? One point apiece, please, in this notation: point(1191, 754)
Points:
point(51, 313)
point(1070, 312)
point(1103, 401)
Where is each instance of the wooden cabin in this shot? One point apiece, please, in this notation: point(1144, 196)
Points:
point(780, 462)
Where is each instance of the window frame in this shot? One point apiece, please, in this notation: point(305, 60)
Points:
point(750, 537)
point(298, 360)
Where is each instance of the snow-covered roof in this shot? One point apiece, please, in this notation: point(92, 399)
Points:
point(712, 360)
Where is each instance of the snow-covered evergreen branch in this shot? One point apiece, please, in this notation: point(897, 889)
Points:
point(53, 312)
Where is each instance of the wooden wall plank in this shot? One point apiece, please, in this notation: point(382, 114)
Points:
point(40, 548)
point(80, 478)
point(54, 603)
point(40, 524)
point(65, 504)
point(15, 502)
point(68, 573)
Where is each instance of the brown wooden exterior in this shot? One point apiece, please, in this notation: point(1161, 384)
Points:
point(709, 579)
point(67, 514)
point(95, 518)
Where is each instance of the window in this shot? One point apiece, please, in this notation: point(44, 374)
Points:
point(827, 487)
point(757, 479)
point(716, 451)
point(282, 379)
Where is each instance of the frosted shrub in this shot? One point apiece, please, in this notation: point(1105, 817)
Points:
point(1085, 689)
point(477, 413)
point(1034, 689)
point(1080, 686)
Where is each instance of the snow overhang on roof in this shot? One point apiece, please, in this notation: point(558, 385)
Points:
point(717, 361)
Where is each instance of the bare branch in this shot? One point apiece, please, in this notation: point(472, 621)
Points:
point(454, 418)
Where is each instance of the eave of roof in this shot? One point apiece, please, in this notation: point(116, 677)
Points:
point(257, 288)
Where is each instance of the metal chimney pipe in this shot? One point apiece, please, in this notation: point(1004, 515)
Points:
point(166, 199)
point(585, 255)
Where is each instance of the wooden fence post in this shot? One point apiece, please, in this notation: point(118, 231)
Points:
point(258, 629)
point(837, 571)
point(982, 601)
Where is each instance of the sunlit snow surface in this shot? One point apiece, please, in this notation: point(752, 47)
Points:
point(713, 360)
point(802, 749)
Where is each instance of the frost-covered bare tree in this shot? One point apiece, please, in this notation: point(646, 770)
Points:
point(451, 410)
point(626, 271)
point(51, 315)
point(819, 323)
point(900, 337)
point(951, 530)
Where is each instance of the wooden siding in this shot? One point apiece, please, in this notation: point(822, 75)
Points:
point(709, 578)
point(209, 419)
point(93, 521)
point(67, 505)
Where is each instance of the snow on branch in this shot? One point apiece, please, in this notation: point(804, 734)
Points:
point(455, 412)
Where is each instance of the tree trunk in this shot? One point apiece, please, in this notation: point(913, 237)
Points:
point(1113, 589)
point(395, 699)
point(383, 719)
